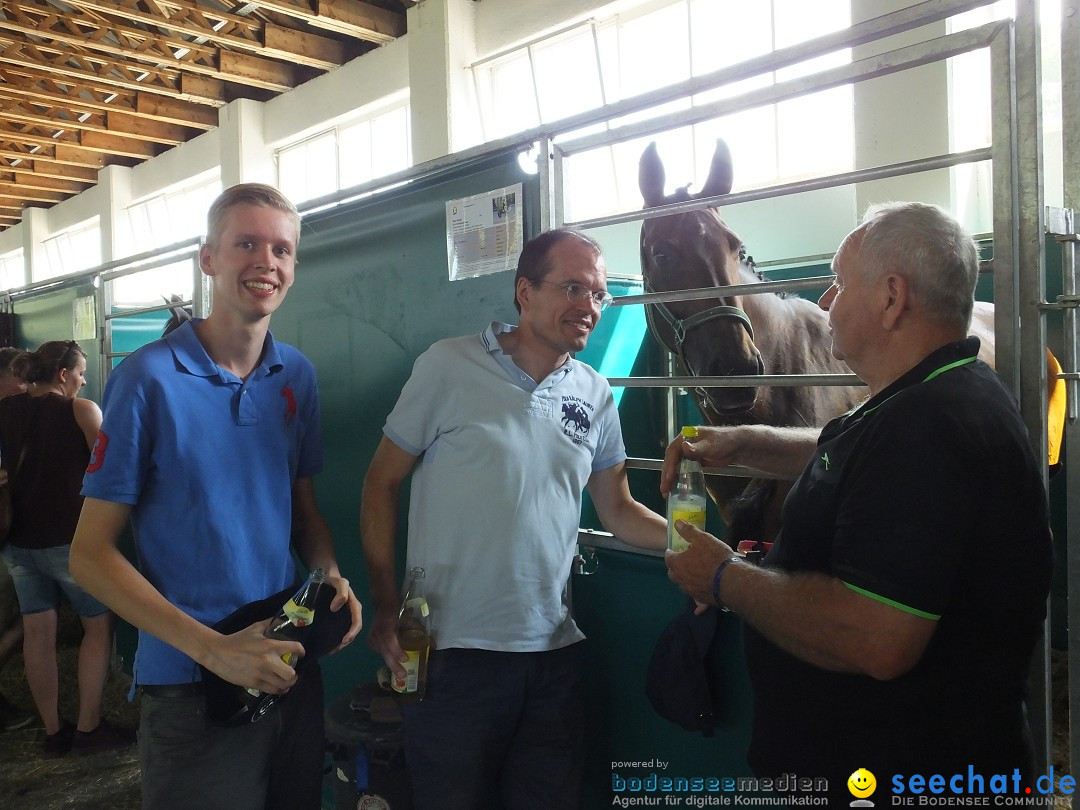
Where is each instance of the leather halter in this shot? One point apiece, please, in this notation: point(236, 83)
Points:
point(681, 327)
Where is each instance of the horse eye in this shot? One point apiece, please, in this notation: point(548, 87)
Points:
point(662, 255)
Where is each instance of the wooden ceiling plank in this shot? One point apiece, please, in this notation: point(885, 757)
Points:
point(32, 181)
point(132, 11)
point(7, 189)
point(24, 57)
point(200, 89)
point(23, 88)
point(117, 145)
point(210, 92)
point(252, 70)
point(119, 123)
point(176, 111)
point(78, 156)
point(308, 49)
point(135, 126)
point(350, 17)
point(59, 171)
point(54, 160)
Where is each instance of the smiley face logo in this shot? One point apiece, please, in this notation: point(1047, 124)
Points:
point(861, 783)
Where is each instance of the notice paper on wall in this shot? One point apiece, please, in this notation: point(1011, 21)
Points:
point(483, 232)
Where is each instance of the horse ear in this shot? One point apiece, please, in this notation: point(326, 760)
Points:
point(651, 176)
point(721, 174)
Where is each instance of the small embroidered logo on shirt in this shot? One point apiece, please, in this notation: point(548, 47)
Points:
point(825, 458)
point(576, 421)
point(97, 457)
point(290, 404)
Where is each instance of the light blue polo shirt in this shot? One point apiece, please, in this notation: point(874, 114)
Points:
point(495, 499)
point(207, 461)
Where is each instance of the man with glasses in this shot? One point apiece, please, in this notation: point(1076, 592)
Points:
point(501, 432)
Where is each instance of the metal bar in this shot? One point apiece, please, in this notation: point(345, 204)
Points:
point(739, 381)
point(799, 187)
point(872, 67)
point(1031, 288)
point(637, 463)
point(705, 293)
point(1070, 126)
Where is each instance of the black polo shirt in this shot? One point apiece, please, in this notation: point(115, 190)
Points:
point(927, 497)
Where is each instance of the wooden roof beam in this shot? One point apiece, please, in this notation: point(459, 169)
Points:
point(353, 18)
point(30, 167)
point(117, 145)
point(7, 190)
point(176, 111)
point(241, 33)
point(31, 181)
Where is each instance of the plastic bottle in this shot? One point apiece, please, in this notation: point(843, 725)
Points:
point(292, 623)
point(686, 501)
point(414, 636)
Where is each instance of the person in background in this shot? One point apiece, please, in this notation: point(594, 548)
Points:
point(56, 429)
point(892, 624)
point(501, 432)
point(209, 445)
point(11, 625)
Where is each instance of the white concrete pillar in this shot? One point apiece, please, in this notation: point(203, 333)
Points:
point(115, 183)
point(442, 42)
point(35, 230)
point(901, 117)
point(245, 157)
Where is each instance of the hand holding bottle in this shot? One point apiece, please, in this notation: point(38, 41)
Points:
point(248, 657)
point(686, 499)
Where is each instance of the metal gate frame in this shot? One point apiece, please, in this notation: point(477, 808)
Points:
point(1019, 228)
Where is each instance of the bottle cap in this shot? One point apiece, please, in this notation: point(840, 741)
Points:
point(690, 432)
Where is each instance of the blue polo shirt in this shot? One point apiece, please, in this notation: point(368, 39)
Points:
point(208, 462)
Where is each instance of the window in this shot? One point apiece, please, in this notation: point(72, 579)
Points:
point(345, 156)
point(658, 44)
point(12, 270)
point(969, 112)
point(174, 215)
point(77, 248)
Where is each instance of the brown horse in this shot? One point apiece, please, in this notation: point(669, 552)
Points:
point(754, 334)
point(734, 335)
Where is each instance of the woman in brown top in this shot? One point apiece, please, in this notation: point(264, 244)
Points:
point(57, 431)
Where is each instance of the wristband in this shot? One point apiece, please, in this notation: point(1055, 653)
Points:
point(716, 582)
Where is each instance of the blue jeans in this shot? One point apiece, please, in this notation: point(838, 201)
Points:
point(497, 724)
point(40, 574)
point(188, 762)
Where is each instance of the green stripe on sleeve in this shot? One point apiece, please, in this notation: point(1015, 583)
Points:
point(913, 611)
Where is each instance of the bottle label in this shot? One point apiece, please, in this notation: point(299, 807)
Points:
point(298, 614)
point(692, 514)
point(411, 682)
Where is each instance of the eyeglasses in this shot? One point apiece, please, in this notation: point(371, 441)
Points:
point(578, 293)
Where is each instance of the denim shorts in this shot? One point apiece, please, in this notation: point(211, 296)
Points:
point(40, 574)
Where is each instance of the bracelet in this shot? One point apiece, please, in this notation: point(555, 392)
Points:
point(716, 582)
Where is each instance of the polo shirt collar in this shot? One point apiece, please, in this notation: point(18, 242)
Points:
point(490, 341)
point(939, 359)
point(192, 357)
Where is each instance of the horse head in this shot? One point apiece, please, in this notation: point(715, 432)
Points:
point(693, 250)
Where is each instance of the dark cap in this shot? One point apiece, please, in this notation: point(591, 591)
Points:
point(678, 681)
